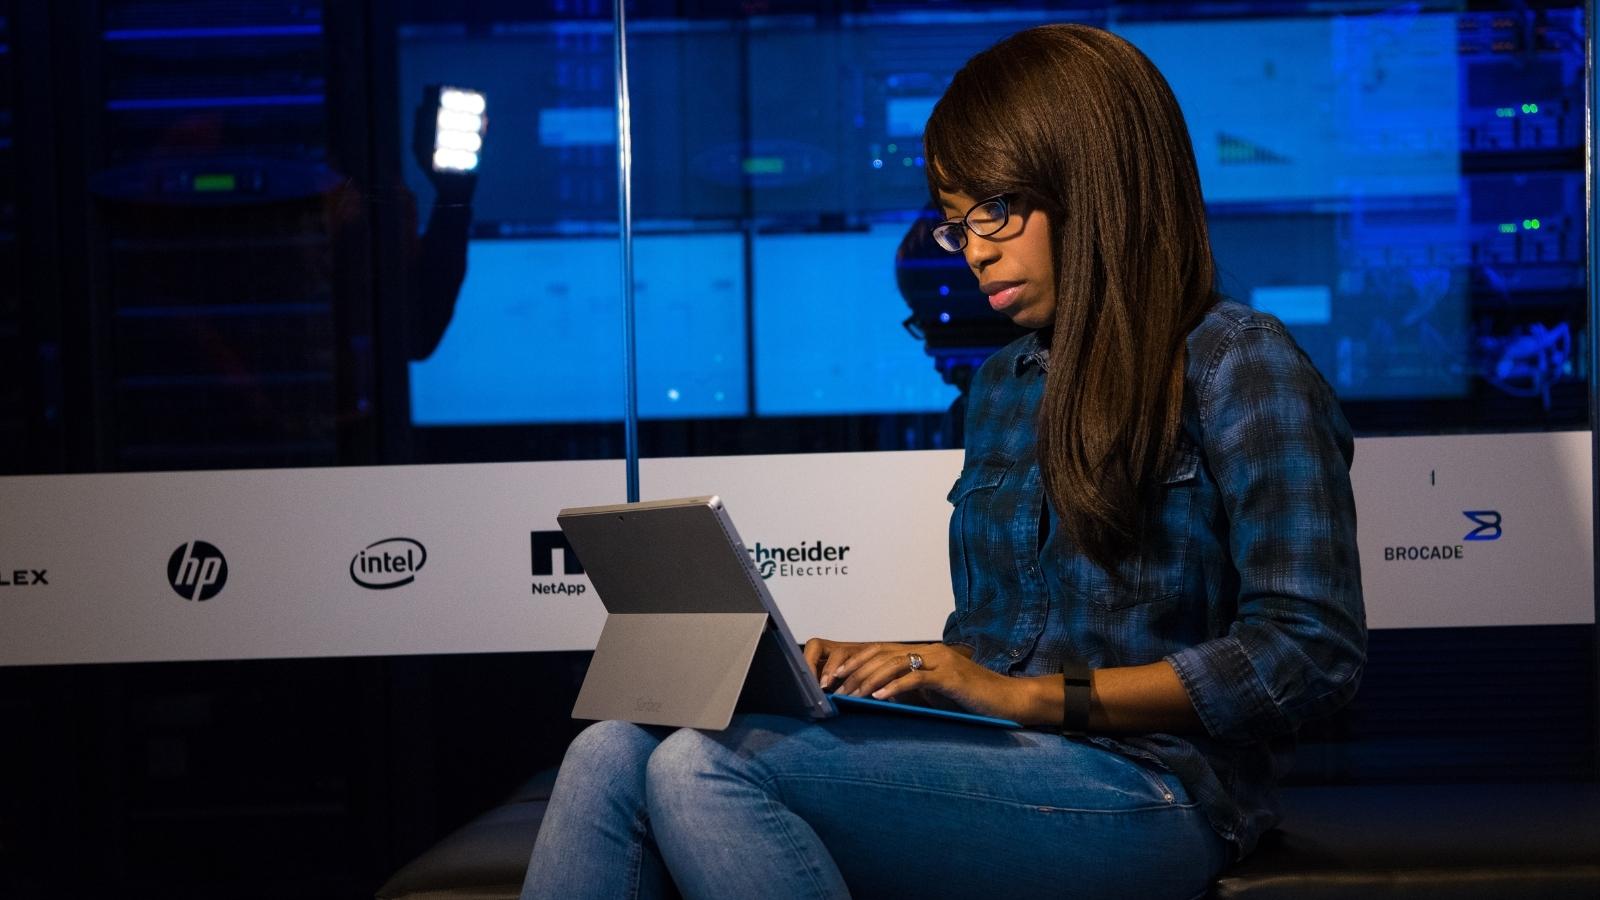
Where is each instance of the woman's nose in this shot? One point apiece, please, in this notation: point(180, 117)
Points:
point(980, 252)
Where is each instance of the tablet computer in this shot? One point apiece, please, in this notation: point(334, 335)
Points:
point(692, 633)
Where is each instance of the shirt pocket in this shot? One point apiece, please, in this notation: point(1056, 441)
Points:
point(977, 532)
point(1158, 571)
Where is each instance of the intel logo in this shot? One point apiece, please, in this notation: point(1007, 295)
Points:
point(389, 563)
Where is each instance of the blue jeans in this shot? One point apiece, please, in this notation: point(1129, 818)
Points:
point(864, 805)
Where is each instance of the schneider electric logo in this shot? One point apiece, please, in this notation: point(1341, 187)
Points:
point(389, 563)
point(808, 559)
point(197, 571)
point(1487, 527)
point(550, 551)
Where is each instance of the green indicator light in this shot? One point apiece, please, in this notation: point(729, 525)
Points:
point(215, 183)
point(1530, 108)
point(1508, 228)
point(894, 148)
point(1534, 224)
point(764, 165)
point(1505, 112)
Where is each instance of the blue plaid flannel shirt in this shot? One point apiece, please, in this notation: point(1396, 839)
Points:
point(1249, 583)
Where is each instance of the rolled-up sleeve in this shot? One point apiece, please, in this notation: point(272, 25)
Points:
point(1279, 448)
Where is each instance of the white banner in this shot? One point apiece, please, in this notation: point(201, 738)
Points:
point(1468, 530)
point(291, 562)
point(1476, 529)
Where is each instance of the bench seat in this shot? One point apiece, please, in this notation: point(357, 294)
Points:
point(1473, 842)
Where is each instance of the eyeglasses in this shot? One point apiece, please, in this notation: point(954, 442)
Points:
point(986, 217)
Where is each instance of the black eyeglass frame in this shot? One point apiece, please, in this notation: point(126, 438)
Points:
point(961, 226)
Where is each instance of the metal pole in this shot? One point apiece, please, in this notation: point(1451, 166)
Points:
point(1590, 182)
point(630, 391)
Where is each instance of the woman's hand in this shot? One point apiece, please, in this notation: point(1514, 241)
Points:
point(883, 671)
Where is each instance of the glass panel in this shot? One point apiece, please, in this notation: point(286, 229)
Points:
point(526, 361)
point(1403, 189)
point(231, 248)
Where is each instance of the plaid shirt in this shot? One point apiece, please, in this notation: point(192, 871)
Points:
point(1249, 583)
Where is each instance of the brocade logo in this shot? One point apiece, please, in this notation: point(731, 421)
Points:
point(1488, 522)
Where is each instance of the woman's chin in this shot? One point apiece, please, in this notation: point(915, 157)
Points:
point(1031, 317)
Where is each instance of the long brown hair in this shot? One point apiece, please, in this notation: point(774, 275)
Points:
point(1080, 124)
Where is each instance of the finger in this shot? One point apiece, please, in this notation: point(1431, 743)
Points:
point(843, 663)
point(815, 654)
point(905, 684)
point(834, 654)
point(873, 673)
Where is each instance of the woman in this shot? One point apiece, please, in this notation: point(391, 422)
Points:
point(1152, 546)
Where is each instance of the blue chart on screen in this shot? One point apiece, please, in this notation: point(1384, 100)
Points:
point(828, 335)
point(1315, 108)
point(537, 330)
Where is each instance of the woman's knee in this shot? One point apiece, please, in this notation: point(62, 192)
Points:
point(681, 766)
point(607, 754)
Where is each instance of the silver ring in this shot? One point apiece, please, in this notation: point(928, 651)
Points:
point(915, 660)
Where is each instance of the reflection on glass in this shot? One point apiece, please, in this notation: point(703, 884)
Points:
point(837, 347)
point(1403, 197)
point(209, 241)
point(536, 334)
point(1404, 190)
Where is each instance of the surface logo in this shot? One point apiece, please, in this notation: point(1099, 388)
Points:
point(546, 546)
point(809, 559)
point(197, 571)
point(389, 563)
point(1488, 522)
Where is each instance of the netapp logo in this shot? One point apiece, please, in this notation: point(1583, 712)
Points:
point(389, 563)
point(1489, 529)
point(197, 571)
point(545, 546)
point(24, 577)
point(789, 562)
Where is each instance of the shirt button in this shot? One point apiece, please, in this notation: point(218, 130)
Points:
point(1013, 653)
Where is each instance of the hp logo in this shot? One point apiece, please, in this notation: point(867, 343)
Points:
point(197, 571)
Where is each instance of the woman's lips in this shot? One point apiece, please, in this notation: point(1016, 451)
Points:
point(1002, 293)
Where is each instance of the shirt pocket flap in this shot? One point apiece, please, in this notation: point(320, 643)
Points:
point(985, 473)
point(1185, 466)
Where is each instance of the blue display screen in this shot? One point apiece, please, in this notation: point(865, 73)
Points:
point(1403, 189)
point(834, 344)
point(537, 333)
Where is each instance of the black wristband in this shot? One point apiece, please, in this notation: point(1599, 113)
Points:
point(1075, 702)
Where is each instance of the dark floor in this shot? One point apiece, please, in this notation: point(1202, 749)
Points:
point(318, 778)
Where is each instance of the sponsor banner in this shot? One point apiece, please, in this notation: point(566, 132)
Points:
point(289, 562)
point(854, 546)
point(1476, 529)
point(1460, 530)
